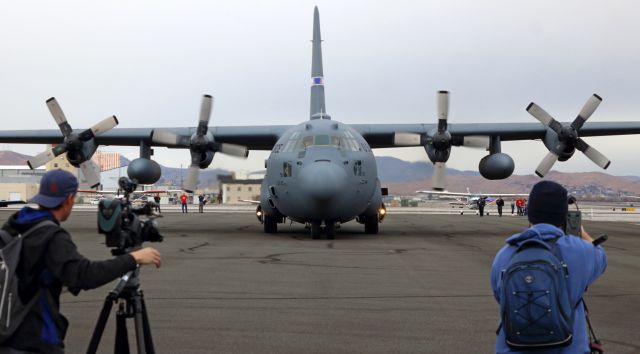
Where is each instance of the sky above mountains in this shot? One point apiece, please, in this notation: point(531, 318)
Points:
point(149, 62)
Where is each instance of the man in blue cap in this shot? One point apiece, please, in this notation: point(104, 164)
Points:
point(547, 214)
point(49, 260)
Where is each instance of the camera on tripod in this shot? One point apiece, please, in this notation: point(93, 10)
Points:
point(119, 221)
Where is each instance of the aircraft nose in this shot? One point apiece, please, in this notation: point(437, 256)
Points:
point(323, 179)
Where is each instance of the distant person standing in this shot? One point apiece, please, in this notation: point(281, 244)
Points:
point(500, 204)
point(513, 205)
point(481, 203)
point(201, 202)
point(157, 200)
point(183, 201)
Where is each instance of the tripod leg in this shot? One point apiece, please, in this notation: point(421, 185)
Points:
point(99, 329)
point(122, 339)
point(146, 327)
point(139, 323)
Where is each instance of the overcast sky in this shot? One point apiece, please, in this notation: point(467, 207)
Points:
point(149, 62)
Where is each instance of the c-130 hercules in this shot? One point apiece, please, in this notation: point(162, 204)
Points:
point(323, 172)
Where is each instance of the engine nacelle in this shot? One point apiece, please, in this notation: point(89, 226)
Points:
point(81, 151)
point(144, 171)
point(496, 166)
point(551, 141)
point(204, 159)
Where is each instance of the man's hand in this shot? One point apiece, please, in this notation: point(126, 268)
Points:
point(147, 255)
point(585, 235)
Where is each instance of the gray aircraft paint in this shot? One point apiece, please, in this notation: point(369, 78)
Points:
point(321, 182)
point(318, 107)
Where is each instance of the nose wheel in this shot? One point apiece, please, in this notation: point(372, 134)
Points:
point(329, 230)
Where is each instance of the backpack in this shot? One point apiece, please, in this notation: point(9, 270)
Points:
point(535, 308)
point(12, 310)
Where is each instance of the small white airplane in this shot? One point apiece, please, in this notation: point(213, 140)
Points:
point(470, 200)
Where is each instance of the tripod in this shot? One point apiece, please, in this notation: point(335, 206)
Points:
point(130, 305)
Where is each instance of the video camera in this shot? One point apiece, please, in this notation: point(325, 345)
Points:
point(118, 220)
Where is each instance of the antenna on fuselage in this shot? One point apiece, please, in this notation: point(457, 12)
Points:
point(318, 108)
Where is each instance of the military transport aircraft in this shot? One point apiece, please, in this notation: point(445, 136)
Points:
point(321, 171)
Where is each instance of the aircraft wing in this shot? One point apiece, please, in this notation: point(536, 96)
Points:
point(252, 137)
point(381, 135)
point(467, 194)
point(5, 203)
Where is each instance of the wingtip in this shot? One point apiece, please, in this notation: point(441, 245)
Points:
point(51, 99)
point(539, 174)
point(607, 165)
point(596, 96)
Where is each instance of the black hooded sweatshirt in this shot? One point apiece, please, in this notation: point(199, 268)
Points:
point(50, 260)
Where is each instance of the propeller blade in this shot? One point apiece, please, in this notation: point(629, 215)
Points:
point(168, 138)
point(407, 139)
point(439, 178)
point(205, 114)
point(546, 164)
point(477, 141)
point(594, 155)
point(544, 117)
point(104, 125)
point(233, 150)
point(587, 110)
point(41, 159)
point(56, 111)
point(443, 109)
point(91, 172)
point(192, 178)
point(58, 116)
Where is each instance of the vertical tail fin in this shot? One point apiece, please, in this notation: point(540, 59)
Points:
point(318, 109)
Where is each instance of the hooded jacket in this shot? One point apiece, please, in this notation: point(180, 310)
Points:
point(585, 263)
point(50, 260)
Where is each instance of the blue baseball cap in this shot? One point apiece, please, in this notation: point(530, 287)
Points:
point(55, 186)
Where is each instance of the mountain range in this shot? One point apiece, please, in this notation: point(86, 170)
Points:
point(402, 177)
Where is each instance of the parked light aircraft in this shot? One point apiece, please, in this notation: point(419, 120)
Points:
point(322, 171)
point(5, 203)
point(470, 200)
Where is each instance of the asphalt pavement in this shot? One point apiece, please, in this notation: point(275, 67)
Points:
point(420, 286)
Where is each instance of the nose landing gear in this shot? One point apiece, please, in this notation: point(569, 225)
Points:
point(329, 230)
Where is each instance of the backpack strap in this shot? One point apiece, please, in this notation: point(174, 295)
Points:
point(40, 224)
point(5, 237)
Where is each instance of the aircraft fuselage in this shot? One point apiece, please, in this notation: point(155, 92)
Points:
point(321, 171)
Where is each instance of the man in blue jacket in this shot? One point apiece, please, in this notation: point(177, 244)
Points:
point(50, 260)
point(547, 214)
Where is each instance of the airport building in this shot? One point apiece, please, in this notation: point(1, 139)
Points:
point(19, 182)
point(233, 191)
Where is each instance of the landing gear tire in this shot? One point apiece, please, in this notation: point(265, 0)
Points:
point(371, 225)
point(270, 224)
point(315, 231)
point(330, 230)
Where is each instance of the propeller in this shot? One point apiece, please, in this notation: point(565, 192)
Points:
point(79, 147)
point(568, 138)
point(201, 144)
point(438, 143)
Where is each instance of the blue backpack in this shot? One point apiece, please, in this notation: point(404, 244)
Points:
point(535, 308)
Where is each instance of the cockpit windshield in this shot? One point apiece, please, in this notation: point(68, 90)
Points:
point(342, 140)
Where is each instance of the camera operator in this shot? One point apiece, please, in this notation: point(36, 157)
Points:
point(585, 262)
point(49, 260)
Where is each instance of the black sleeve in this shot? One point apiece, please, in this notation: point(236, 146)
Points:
point(76, 271)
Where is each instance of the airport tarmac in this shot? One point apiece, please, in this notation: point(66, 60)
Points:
point(420, 286)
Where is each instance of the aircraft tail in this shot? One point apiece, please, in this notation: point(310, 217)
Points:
point(318, 109)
